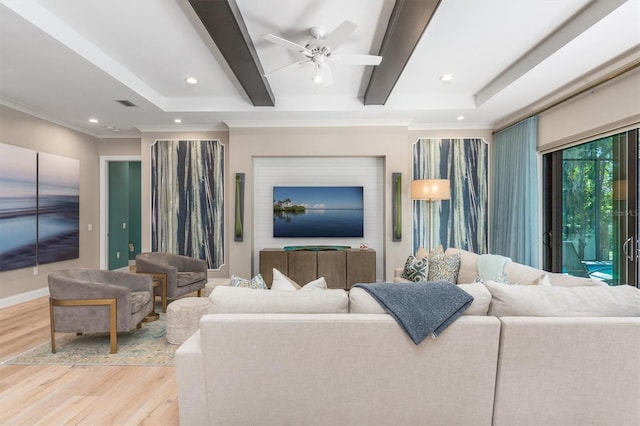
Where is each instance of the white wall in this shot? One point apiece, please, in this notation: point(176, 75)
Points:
point(389, 144)
point(27, 131)
point(367, 172)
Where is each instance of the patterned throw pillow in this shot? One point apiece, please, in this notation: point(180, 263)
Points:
point(443, 268)
point(256, 283)
point(416, 269)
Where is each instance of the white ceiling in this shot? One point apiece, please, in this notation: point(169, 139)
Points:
point(69, 60)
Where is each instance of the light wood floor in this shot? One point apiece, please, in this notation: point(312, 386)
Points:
point(60, 395)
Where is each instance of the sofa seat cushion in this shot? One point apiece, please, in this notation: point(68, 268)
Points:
point(361, 302)
point(549, 301)
point(188, 278)
point(139, 299)
point(225, 299)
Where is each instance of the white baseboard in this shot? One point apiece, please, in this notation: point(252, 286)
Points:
point(23, 297)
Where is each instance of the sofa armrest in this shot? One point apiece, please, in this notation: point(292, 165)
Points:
point(145, 265)
point(133, 282)
point(192, 387)
point(70, 289)
point(189, 264)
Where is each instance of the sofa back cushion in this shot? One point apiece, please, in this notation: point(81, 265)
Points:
point(224, 299)
point(348, 368)
point(568, 371)
point(468, 272)
point(361, 302)
point(549, 301)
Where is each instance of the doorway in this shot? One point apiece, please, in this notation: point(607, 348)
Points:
point(591, 213)
point(120, 212)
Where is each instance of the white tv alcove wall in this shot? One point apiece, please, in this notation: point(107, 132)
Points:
point(367, 172)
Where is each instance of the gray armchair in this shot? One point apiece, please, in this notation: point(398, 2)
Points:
point(96, 301)
point(179, 275)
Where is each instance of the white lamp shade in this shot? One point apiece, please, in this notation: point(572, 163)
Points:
point(431, 189)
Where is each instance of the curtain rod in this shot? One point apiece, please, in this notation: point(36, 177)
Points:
point(612, 75)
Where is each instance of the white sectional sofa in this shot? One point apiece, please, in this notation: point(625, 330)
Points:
point(254, 362)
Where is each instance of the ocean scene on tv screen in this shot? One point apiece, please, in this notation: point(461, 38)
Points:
point(318, 211)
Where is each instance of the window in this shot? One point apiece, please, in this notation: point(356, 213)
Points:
point(591, 209)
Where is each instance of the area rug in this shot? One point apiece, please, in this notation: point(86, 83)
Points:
point(146, 346)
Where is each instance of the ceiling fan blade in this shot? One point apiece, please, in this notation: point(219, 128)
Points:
point(340, 35)
point(356, 59)
point(291, 65)
point(325, 74)
point(287, 44)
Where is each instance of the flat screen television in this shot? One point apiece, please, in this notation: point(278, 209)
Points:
point(318, 211)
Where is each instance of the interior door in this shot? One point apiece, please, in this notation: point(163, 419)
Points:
point(118, 218)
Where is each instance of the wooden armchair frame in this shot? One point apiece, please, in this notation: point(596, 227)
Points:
point(110, 303)
point(162, 279)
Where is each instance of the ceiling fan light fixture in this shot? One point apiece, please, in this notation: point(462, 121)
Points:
point(316, 78)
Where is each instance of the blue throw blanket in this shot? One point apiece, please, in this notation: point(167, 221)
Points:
point(423, 308)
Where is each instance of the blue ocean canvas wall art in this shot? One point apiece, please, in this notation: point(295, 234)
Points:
point(318, 211)
point(18, 207)
point(58, 208)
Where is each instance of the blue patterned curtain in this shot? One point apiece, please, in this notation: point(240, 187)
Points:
point(514, 188)
point(462, 221)
point(187, 199)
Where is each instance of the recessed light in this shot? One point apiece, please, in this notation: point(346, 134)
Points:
point(446, 77)
point(191, 80)
point(460, 117)
point(93, 120)
point(177, 120)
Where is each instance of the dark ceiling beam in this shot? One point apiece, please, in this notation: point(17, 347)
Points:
point(408, 21)
point(224, 23)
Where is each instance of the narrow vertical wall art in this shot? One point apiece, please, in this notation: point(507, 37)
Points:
point(462, 221)
point(239, 216)
point(396, 215)
point(187, 200)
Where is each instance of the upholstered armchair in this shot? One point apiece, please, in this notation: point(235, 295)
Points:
point(178, 275)
point(86, 301)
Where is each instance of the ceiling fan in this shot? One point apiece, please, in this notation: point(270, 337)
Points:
point(320, 51)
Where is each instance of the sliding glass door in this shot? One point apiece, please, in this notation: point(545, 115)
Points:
point(591, 209)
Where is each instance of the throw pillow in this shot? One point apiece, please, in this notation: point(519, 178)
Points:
point(256, 283)
point(282, 282)
point(416, 269)
point(317, 284)
point(422, 253)
point(442, 267)
point(541, 280)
